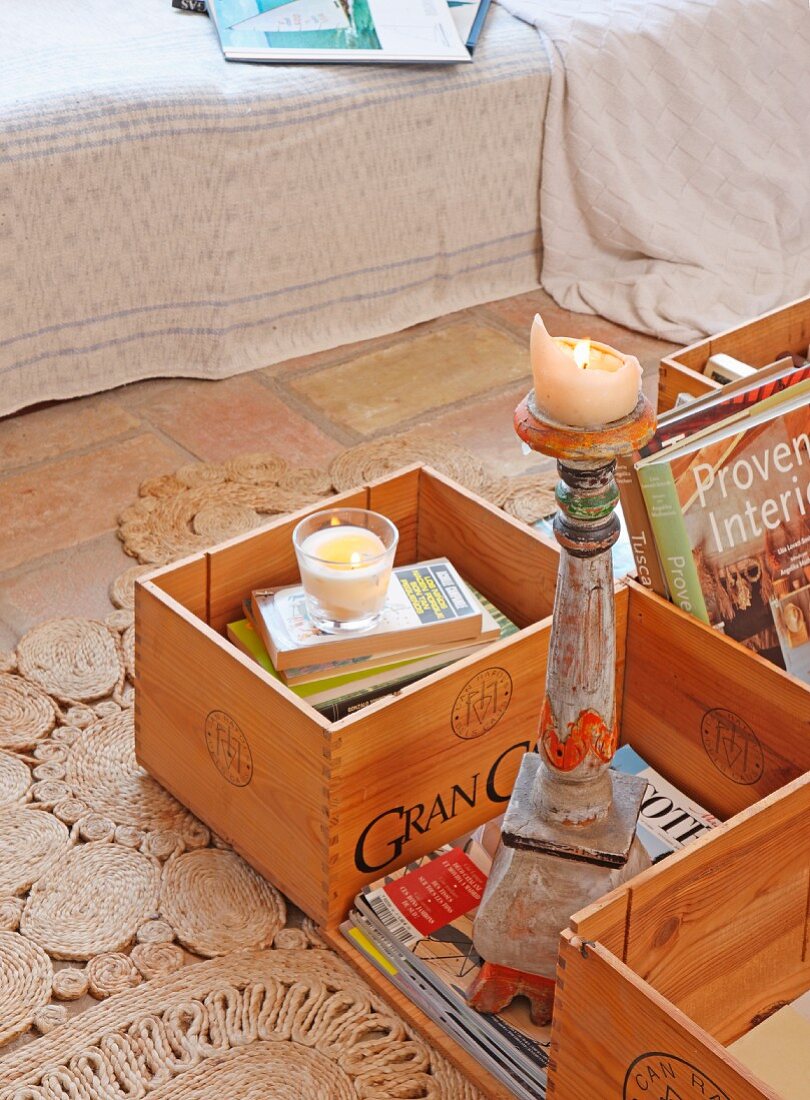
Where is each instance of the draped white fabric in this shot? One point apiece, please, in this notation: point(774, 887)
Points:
point(675, 185)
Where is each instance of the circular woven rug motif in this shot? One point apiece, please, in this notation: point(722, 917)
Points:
point(200, 505)
point(102, 772)
point(91, 901)
point(291, 1025)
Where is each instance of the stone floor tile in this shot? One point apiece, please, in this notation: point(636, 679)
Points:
point(73, 582)
point(58, 429)
point(519, 313)
point(305, 364)
point(485, 428)
point(381, 390)
point(8, 636)
point(217, 420)
point(70, 500)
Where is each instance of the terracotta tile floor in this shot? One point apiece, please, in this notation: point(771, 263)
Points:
point(68, 469)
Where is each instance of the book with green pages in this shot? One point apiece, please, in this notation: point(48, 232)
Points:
point(730, 513)
point(342, 687)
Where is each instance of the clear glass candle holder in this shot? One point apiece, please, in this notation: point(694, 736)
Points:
point(345, 556)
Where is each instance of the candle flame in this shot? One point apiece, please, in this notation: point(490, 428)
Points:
point(582, 353)
point(334, 522)
point(355, 557)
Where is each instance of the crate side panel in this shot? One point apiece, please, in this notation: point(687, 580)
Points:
point(398, 498)
point(720, 722)
point(605, 921)
point(614, 1036)
point(263, 557)
point(419, 769)
point(759, 342)
point(674, 378)
point(185, 581)
point(228, 745)
point(506, 560)
point(713, 929)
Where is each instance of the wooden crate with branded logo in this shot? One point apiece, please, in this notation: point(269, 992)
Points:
point(781, 331)
point(322, 808)
point(686, 956)
point(659, 977)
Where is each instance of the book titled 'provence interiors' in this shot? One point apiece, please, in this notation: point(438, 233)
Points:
point(730, 511)
point(337, 30)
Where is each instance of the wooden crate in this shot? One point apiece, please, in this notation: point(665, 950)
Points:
point(757, 342)
point(656, 979)
point(729, 729)
point(322, 808)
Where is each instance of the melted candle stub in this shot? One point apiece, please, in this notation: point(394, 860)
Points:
point(582, 383)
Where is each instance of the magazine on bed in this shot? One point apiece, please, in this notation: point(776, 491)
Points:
point(344, 30)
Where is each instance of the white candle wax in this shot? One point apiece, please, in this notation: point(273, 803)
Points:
point(347, 570)
point(605, 389)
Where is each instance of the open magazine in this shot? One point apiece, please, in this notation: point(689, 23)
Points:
point(348, 30)
point(415, 926)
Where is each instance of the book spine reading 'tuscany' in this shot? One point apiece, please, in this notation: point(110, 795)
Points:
point(671, 538)
point(639, 530)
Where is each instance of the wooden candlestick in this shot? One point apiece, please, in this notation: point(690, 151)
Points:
point(569, 831)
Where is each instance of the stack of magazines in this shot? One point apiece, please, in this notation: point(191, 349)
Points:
point(415, 926)
point(426, 31)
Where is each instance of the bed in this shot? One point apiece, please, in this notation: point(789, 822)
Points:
point(166, 213)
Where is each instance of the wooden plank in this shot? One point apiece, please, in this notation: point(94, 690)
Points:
point(605, 921)
point(722, 723)
point(675, 378)
point(455, 763)
point(758, 342)
point(487, 1085)
point(508, 561)
point(185, 581)
point(262, 557)
point(242, 753)
point(613, 1035)
point(715, 927)
point(397, 497)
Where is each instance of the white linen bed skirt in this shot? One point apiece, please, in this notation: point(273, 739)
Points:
point(166, 213)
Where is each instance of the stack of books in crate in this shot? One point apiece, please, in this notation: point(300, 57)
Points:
point(717, 507)
point(431, 619)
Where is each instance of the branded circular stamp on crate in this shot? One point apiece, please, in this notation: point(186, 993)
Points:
point(732, 746)
point(228, 748)
point(481, 703)
point(658, 1074)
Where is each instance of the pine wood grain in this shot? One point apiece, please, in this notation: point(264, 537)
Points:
point(679, 674)
point(758, 342)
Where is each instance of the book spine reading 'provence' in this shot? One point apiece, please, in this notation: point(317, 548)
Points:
point(671, 538)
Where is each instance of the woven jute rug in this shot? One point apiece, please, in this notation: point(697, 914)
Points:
point(203, 503)
point(112, 891)
point(255, 1025)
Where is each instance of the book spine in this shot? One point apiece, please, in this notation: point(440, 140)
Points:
point(336, 709)
point(642, 543)
point(671, 539)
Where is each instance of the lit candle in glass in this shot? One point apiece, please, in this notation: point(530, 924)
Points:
point(582, 383)
point(345, 556)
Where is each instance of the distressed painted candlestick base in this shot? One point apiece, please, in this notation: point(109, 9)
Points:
point(569, 834)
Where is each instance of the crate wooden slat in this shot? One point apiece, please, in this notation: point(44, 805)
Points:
point(716, 936)
point(758, 342)
point(329, 805)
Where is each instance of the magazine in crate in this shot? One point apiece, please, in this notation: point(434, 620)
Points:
point(415, 926)
point(347, 30)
